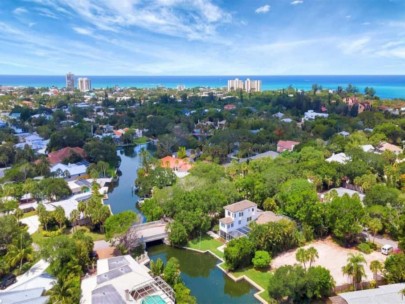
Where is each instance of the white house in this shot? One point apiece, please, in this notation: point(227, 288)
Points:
point(367, 148)
point(311, 115)
point(341, 158)
point(237, 218)
point(74, 170)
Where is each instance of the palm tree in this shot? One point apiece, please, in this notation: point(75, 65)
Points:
point(312, 255)
point(355, 268)
point(64, 290)
point(375, 267)
point(74, 217)
point(18, 213)
point(302, 256)
point(16, 255)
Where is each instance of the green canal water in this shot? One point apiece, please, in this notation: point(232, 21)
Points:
point(207, 283)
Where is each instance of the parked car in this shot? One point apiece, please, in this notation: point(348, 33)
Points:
point(387, 249)
point(8, 280)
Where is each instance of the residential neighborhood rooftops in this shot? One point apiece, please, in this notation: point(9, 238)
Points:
point(240, 206)
point(62, 154)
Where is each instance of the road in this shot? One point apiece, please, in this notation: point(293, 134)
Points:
point(380, 240)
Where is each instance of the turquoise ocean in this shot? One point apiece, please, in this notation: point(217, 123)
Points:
point(385, 86)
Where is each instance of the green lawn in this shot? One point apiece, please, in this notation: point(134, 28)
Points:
point(206, 243)
point(28, 214)
point(94, 235)
point(259, 277)
point(141, 140)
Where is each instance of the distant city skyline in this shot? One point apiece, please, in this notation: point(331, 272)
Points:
point(196, 37)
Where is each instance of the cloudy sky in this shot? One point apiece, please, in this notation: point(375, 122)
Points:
point(202, 37)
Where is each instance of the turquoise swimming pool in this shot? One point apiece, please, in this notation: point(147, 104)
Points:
point(153, 300)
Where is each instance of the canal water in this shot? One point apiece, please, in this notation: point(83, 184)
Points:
point(207, 282)
point(121, 196)
point(198, 271)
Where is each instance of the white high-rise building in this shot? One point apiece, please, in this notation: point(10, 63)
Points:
point(84, 84)
point(70, 81)
point(253, 85)
point(235, 84)
point(248, 85)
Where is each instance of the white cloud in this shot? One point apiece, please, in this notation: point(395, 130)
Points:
point(355, 47)
point(46, 12)
point(83, 31)
point(20, 10)
point(192, 19)
point(263, 9)
point(296, 2)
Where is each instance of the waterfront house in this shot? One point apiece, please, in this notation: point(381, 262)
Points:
point(69, 170)
point(179, 166)
point(123, 280)
point(237, 218)
point(286, 145)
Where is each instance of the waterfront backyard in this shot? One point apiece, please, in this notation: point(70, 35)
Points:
point(258, 277)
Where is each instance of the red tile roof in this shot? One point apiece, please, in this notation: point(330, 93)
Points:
point(174, 163)
point(60, 155)
point(284, 145)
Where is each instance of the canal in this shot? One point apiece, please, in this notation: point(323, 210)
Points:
point(207, 282)
point(121, 196)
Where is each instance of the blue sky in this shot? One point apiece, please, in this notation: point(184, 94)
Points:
point(202, 37)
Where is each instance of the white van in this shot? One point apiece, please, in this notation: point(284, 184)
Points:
point(387, 249)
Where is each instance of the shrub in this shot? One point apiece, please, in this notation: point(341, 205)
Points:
point(365, 248)
point(239, 253)
point(262, 259)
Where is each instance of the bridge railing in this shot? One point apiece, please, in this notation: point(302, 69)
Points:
point(148, 224)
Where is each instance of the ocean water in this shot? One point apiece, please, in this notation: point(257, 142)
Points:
point(385, 86)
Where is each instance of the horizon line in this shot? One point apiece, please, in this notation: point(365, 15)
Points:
point(225, 75)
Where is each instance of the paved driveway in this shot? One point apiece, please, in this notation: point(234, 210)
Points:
point(32, 222)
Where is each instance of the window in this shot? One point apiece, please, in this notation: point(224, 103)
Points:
point(249, 219)
point(232, 225)
point(253, 209)
point(240, 222)
point(233, 215)
point(229, 214)
point(222, 225)
point(229, 226)
point(240, 213)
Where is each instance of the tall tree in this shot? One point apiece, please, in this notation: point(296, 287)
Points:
point(355, 268)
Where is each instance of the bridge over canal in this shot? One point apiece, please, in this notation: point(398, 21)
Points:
point(149, 232)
